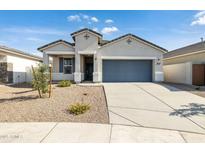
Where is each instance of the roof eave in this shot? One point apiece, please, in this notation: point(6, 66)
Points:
point(52, 43)
point(20, 53)
point(136, 37)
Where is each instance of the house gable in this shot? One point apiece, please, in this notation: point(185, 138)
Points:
point(59, 47)
point(86, 42)
point(129, 46)
point(131, 36)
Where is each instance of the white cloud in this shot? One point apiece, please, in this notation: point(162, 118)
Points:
point(86, 17)
point(32, 30)
point(199, 14)
point(82, 18)
point(95, 29)
point(35, 39)
point(109, 21)
point(74, 18)
point(199, 19)
point(94, 19)
point(109, 30)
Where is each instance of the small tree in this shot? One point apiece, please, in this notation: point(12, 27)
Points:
point(40, 79)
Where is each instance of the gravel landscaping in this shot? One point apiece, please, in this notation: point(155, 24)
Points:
point(22, 104)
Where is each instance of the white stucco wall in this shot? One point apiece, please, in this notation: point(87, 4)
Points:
point(21, 68)
point(136, 50)
point(83, 46)
point(2, 58)
point(178, 73)
point(86, 45)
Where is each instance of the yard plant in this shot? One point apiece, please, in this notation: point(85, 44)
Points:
point(78, 108)
point(40, 80)
point(64, 83)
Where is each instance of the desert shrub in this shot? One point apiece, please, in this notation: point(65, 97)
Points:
point(64, 83)
point(78, 108)
point(40, 78)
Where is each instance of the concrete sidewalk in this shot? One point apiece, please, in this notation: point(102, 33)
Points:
point(90, 133)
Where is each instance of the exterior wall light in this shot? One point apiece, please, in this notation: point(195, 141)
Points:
point(129, 41)
point(158, 61)
point(86, 36)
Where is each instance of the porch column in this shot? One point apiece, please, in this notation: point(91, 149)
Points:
point(77, 74)
point(45, 58)
point(158, 75)
point(97, 75)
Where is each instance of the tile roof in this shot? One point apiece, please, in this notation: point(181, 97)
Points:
point(101, 42)
point(200, 46)
point(86, 29)
point(44, 46)
point(136, 38)
point(20, 52)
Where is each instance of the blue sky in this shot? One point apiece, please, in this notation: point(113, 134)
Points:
point(27, 30)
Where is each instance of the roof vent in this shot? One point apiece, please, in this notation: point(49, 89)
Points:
point(202, 39)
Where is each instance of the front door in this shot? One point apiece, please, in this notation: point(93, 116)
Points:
point(88, 68)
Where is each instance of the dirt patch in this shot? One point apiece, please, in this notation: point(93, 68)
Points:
point(21, 104)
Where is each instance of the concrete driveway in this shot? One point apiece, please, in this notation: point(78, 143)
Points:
point(155, 106)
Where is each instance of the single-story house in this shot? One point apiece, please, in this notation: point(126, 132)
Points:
point(15, 65)
point(186, 65)
point(128, 58)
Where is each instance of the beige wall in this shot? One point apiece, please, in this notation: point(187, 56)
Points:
point(195, 59)
point(178, 73)
point(81, 44)
point(179, 70)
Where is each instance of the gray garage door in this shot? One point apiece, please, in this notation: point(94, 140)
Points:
point(127, 70)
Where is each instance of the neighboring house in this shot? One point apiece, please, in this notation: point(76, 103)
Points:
point(186, 65)
point(90, 58)
point(15, 65)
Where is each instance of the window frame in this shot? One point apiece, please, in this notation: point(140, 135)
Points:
point(68, 65)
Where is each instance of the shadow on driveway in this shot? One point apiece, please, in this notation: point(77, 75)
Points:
point(189, 110)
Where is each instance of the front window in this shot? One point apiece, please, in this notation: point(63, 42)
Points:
point(67, 64)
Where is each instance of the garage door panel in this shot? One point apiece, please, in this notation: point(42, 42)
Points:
point(127, 70)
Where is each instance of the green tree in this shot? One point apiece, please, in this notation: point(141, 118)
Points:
point(41, 79)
